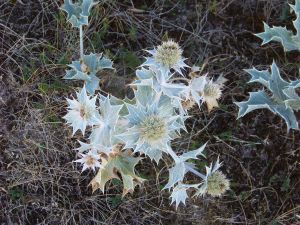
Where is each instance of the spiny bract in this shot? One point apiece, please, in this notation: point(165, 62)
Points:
point(151, 128)
point(82, 112)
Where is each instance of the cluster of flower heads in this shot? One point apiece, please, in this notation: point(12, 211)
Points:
point(120, 131)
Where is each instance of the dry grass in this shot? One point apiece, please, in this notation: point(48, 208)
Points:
point(39, 184)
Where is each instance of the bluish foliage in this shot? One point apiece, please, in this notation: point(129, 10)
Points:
point(145, 125)
point(288, 39)
point(284, 100)
point(78, 13)
point(87, 68)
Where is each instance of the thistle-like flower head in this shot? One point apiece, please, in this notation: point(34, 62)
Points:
point(89, 160)
point(215, 182)
point(166, 56)
point(168, 53)
point(82, 112)
point(206, 90)
point(151, 127)
point(211, 93)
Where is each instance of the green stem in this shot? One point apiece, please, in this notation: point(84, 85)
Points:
point(81, 41)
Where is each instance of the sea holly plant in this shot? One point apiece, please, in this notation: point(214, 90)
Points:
point(287, 38)
point(119, 133)
point(284, 99)
point(87, 67)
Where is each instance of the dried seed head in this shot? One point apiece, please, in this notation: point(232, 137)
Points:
point(217, 184)
point(188, 104)
point(153, 128)
point(212, 90)
point(168, 53)
point(90, 161)
point(211, 93)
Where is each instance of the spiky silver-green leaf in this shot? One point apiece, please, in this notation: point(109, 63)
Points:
point(287, 38)
point(78, 13)
point(86, 70)
point(284, 98)
point(103, 136)
point(179, 193)
point(158, 80)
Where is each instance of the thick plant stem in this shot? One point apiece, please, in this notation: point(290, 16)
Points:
point(189, 168)
point(173, 155)
point(81, 41)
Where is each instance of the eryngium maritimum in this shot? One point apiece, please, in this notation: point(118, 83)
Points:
point(151, 128)
point(89, 160)
point(211, 93)
point(217, 184)
point(168, 55)
point(206, 90)
point(82, 112)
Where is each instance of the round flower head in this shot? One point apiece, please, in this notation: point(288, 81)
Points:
point(153, 128)
point(89, 160)
point(217, 184)
point(166, 56)
point(82, 112)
